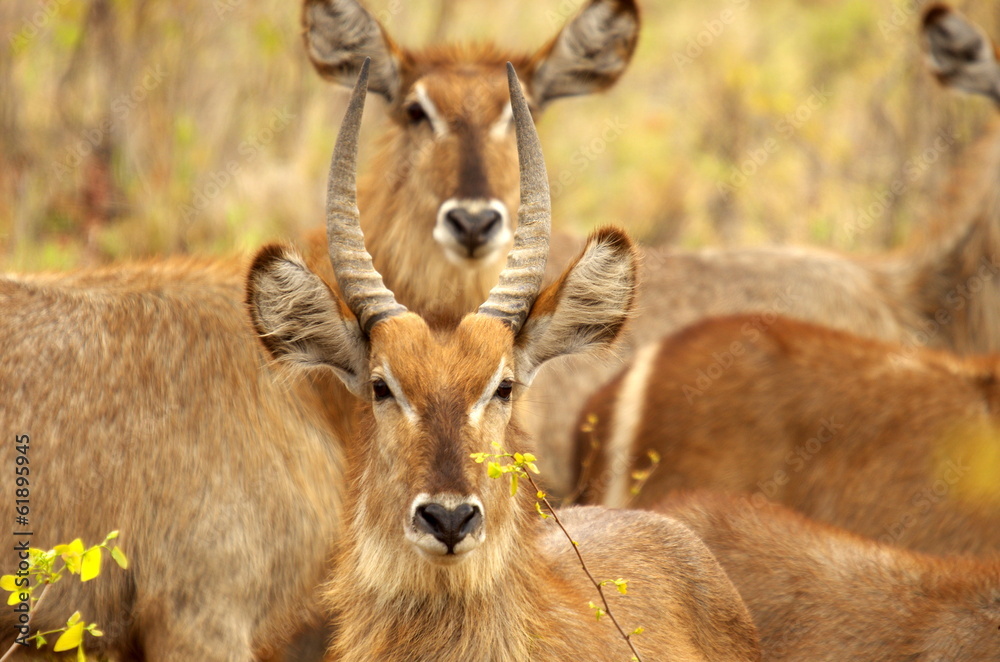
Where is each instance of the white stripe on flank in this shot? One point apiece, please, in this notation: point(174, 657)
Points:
point(627, 414)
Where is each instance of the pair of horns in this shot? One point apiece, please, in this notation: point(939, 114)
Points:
point(361, 285)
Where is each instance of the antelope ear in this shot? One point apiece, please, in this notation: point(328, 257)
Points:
point(301, 322)
point(340, 34)
point(588, 55)
point(585, 309)
point(959, 52)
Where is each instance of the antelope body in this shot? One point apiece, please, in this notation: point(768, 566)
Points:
point(148, 400)
point(894, 443)
point(822, 594)
point(941, 292)
point(439, 562)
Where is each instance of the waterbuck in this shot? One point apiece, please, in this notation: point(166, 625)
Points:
point(943, 291)
point(895, 443)
point(439, 562)
point(822, 594)
point(438, 198)
point(149, 404)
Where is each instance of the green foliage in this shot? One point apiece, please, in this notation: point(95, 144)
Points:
point(46, 567)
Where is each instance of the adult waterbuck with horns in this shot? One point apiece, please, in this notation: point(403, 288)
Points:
point(147, 397)
point(439, 562)
point(942, 291)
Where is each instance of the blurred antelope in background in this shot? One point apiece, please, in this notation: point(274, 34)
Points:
point(821, 594)
point(149, 402)
point(439, 196)
point(439, 562)
point(942, 291)
point(898, 446)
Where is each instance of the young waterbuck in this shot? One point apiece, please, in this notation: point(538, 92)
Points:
point(822, 594)
point(439, 562)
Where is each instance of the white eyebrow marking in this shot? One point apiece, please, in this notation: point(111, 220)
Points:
point(439, 125)
point(501, 126)
point(397, 392)
point(476, 412)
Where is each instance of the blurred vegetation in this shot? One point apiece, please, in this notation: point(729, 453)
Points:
point(131, 128)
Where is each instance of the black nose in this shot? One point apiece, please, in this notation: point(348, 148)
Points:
point(447, 525)
point(473, 230)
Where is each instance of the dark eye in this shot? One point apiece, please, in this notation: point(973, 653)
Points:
point(381, 390)
point(504, 390)
point(415, 113)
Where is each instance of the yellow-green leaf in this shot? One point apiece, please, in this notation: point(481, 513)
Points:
point(74, 619)
point(80, 655)
point(639, 630)
point(71, 638)
point(513, 484)
point(7, 583)
point(119, 556)
point(90, 567)
point(534, 469)
point(14, 598)
point(112, 535)
point(493, 470)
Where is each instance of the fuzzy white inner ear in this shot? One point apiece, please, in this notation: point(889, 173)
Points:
point(476, 412)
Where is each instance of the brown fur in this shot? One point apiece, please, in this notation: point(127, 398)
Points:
point(941, 291)
point(898, 444)
point(520, 594)
point(152, 410)
point(821, 594)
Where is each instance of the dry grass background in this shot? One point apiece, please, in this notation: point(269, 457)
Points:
point(118, 120)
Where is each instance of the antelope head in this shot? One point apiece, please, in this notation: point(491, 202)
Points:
point(449, 157)
point(434, 394)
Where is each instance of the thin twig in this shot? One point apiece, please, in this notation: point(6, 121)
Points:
point(14, 646)
point(597, 584)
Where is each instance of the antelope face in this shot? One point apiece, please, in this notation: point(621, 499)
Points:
point(449, 163)
point(436, 398)
point(456, 122)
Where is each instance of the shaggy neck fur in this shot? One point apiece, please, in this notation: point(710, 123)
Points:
point(390, 604)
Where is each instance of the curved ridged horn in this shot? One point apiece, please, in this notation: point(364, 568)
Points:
point(361, 285)
point(512, 297)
